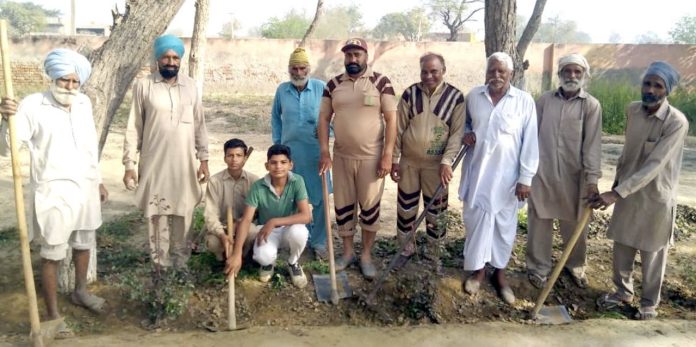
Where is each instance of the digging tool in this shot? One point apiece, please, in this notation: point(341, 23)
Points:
point(411, 234)
point(321, 282)
point(231, 312)
point(37, 333)
point(558, 314)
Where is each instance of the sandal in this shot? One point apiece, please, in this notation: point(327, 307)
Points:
point(401, 261)
point(537, 280)
point(646, 313)
point(56, 329)
point(579, 280)
point(90, 302)
point(611, 301)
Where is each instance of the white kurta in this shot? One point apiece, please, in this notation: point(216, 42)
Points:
point(64, 167)
point(506, 153)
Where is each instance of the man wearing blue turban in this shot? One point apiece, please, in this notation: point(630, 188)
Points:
point(166, 128)
point(645, 191)
point(58, 128)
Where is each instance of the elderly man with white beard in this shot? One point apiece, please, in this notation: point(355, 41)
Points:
point(497, 172)
point(570, 136)
point(294, 120)
point(65, 183)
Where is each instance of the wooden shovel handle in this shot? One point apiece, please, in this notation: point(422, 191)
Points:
point(231, 311)
point(19, 195)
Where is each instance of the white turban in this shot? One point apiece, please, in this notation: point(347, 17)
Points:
point(60, 62)
point(574, 58)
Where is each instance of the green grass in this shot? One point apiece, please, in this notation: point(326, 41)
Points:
point(115, 253)
point(609, 315)
point(316, 267)
point(615, 95)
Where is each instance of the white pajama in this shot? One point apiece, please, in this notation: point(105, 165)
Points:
point(292, 236)
point(489, 237)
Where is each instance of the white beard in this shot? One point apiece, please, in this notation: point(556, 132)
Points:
point(63, 96)
point(572, 86)
point(299, 82)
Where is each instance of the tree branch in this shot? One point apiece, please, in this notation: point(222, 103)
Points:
point(531, 28)
point(313, 25)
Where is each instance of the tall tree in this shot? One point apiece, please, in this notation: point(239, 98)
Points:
point(557, 30)
point(339, 22)
point(313, 25)
point(500, 25)
point(229, 29)
point(25, 17)
point(198, 42)
point(410, 26)
point(454, 13)
point(292, 26)
point(684, 31)
point(649, 37)
point(112, 70)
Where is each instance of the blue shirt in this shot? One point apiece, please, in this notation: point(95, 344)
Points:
point(294, 117)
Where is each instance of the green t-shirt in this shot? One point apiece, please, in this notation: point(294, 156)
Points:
point(269, 205)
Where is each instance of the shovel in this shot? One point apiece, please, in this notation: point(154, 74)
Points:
point(39, 332)
point(370, 300)
point(325, 285)
point(231, 311)
point(558, 314)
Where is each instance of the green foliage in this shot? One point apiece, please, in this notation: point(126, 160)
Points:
point(649, 37)
point(230, 28)
point(25, 17)
point(339, 22)
point(684, 31)
point(557, 30)
point(685, 100)
point(522, 220)
point(292, 26)
point(614, 96)
point(165, 295)
point(409, 26)
point(317, 267)
point(450, 221)
point(115, 253)
point(8, 235)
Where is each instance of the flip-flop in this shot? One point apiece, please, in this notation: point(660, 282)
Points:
point(611, 301)
point(91, 302)
point(56, 329)
point(537, 280)
point(646, 313)
point(472, 285)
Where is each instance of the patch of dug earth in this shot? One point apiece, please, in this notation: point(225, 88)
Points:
point(414, 295)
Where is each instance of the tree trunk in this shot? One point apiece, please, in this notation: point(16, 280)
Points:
point(119, 59)
point(198, 41)
point(114, 65)
point(313, 25)
point(500, 24)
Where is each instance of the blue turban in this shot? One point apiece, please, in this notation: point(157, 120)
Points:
point(167, 42)
point(666, 72)
point(61, 62)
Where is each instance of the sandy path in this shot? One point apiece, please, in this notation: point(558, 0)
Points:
point(595, 333)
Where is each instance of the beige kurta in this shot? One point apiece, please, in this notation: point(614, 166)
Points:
point(223, 191)
point(647, 175)
point(166, 126)
point(64, 167)
point(570, 148)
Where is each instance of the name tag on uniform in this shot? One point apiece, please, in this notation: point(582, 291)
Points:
point(369, 100)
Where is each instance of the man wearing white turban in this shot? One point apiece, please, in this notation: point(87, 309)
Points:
point(58, 128)
point(570, 139)
point(645, 191)
point(501, 130)
point(166, 127)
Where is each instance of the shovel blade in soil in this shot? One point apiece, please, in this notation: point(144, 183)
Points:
point(322, 286)
point(553, 315)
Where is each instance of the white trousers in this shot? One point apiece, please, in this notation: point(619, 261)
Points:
point(489, 237)
point(292, 236)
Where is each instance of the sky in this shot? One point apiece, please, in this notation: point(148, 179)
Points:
point(598, 18)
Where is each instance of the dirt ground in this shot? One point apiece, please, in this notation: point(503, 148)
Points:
point(277, 313)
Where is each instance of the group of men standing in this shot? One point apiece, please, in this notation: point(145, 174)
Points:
point(547, 152)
